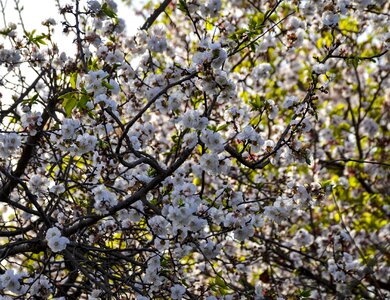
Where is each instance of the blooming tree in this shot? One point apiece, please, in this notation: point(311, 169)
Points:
point(228, 150)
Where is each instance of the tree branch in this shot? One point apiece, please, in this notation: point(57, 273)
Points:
point(149, 22)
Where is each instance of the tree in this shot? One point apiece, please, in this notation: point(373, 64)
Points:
point(229, 150)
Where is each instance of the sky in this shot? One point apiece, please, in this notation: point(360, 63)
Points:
point(35, 11)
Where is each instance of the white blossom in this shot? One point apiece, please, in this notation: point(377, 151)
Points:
point(55, 241)
point(177, 291)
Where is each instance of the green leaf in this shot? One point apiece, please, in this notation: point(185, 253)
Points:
point(304, 293)
point(209, 26)
point(31, 101)
point(83, 101)
point(182, 5)
point(349, 25)
point(70, 102)
point(355, 61)
point(107, 10)
point(107, 85)
point(73, 80)
point(93, 64)
point(220, 282)
point(40, 39)
point(252, 24)
point(36, 40)
point(222, 127)
point(5, 31)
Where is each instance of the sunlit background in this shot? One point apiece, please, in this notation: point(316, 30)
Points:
point(33, 13)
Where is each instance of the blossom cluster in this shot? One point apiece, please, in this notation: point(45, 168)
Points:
point(9, 143)
point(55, 241)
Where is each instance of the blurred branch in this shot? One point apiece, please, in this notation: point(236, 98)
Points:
point(149, 22)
